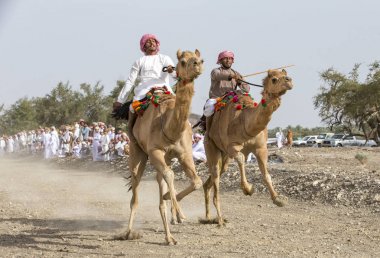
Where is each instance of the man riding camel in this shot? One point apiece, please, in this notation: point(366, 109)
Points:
point(146, 73)
point(223, 80)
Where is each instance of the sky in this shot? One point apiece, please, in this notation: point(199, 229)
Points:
point(44, 42)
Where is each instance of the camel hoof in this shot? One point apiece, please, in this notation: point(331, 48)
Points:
point(178, 220)
point(171, 241)
point(213, 221)
point(166, 196)
point(128, 235)
point(281, 201)
point(249, 190)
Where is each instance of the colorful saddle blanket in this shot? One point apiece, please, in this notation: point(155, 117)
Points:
point(153, 96)
point(240, 102)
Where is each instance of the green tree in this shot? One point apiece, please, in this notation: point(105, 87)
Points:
point(348, 104)
point(20, 116)
point(59, 107)
point(96, 106)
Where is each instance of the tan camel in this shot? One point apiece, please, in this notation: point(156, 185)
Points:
point(237, 130)
point(161, 133)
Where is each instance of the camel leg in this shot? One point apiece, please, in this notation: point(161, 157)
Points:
point(214, 160)
point(188, 166)
point(247, 187)
point(137, 163)
point(196, 182)
point(163, 187)
point(207, 190)
point(158, 161)
point(262, 159)
point(131, 122)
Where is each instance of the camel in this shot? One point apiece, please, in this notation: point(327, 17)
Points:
point(237, 130)
point(162, 133)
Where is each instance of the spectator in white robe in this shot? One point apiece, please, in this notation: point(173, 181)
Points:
point(10, 144)
point(105, 142)
point(76, 131)
point(2, 145)
point(111, 133)
point(280, 138)
point(22, 140)
point(66, 138)
point(96, 147)
point(76, 149)
point(47, 141)
point(29, 141)
point(16, 143)
point(54, 141)
point(120, 145)
point(199, 153)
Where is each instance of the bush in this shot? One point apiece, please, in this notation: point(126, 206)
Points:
point(361, 157)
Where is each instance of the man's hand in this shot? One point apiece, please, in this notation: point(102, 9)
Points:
point(116, 105)
point(234, 76)
point(170, 69)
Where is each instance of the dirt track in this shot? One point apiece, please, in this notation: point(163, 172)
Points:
point(49, 212)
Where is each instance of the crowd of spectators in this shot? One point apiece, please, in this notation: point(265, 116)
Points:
point(80, 140)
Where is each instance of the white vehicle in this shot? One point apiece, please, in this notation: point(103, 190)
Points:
point(318, 142)
point(351, 140)
point(334, 141)
point(303, 141)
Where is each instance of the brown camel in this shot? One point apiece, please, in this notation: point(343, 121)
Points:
point(162, 133)
point(237, 130)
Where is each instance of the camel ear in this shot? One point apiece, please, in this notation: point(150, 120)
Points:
point(179, 53)
point(197, 53)
point(270, 73)
point(284, 72)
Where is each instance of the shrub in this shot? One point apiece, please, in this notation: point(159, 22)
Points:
point(361, 157)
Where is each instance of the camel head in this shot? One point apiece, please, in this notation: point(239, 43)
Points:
point(277, 83)
point(190, 65)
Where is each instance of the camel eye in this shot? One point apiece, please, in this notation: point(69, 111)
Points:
point(274, 80)
point(183, 62)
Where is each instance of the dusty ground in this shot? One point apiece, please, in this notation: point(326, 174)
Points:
point(74, 209)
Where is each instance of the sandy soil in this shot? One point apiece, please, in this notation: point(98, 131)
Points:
point(46, 211)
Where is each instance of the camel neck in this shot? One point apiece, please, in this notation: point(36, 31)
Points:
point(257, 118)
point(178, 120)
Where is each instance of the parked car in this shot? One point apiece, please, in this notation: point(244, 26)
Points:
point(318, 142)
point(302, 142)
point(272, 142)
point(334, 141)
point(352, 140)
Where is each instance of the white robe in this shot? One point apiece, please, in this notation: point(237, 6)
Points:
point(145, 74)
point(47, 143)
point(95, 147)
point(280, 138)
point(66, 144)
point(10, 145)
point(2, 147)
point(54, 142)
point(199, 152)
point(105, 142)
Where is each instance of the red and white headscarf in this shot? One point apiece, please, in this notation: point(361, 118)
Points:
point(145, 38)
point(225, 54)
